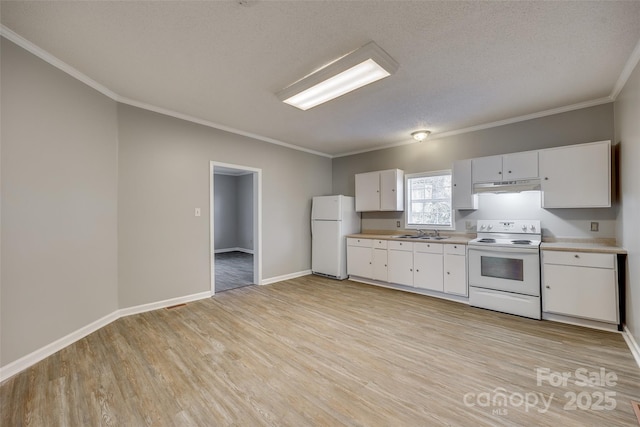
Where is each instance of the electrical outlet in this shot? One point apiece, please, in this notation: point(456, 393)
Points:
point(398, 224)
point(595, 226)
point(197, 212)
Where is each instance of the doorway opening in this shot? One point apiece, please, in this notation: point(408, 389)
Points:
point(235, 226)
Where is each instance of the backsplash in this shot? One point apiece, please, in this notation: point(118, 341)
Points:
point(575, 223)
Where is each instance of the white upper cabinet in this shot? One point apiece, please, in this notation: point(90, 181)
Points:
point(380, 191)
point(487, 169)
point(520, 165)
point(576, 176)
point(463, 197)
point(368, 191)
point(508, 167)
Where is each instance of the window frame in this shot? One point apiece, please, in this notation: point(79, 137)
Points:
point(407, 201)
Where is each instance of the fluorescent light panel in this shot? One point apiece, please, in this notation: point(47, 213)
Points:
point(354, 70)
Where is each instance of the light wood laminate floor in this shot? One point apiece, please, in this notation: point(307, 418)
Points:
point(317, 352)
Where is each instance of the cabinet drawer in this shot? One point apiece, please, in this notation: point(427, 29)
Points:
point(582, 259)
point(400, 246)
point(455, 249)
point(431, 248)
point(364, 243)
point(380, 244)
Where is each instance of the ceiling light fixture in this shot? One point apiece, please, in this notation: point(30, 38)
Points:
point(352, 71)
point(420, 135)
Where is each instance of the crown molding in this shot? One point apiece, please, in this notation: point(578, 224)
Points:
point(73, 72)
point(47, 57)
point(437, 135)
point(626, 72)
point(379, 147)
point(218, 126)
point(545, 113)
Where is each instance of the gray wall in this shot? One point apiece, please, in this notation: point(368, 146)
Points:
point(59, 204)
point(226, 211)
point(233, 211)
point(245, 212)
point(164, 174)
point(98, 204)
point(574, 127)
point(627, 119)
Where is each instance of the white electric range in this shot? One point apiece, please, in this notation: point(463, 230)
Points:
point(504, 267)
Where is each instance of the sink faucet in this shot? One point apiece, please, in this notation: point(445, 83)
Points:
point(436, 233)
point(420, 233)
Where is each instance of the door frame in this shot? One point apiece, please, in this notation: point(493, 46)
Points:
point(257, 220)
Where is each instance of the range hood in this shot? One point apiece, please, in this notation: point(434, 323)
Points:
point(507, 186)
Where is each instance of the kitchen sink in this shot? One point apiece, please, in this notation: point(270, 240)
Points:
point(413, 236)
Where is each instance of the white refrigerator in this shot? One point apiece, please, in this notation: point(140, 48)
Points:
point(332, 219)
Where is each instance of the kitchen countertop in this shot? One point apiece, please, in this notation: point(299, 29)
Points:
point(456, 239)
point(605, 246)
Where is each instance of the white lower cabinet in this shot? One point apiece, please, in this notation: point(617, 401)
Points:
point(379, 260)
point(455, 270)
point(435, 267)
point(582, 285)
point(359, 257)
point(400, 263)
point(428, 265)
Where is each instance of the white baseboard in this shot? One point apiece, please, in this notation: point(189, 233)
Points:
point(271, 280)
point(633, 345)
point(221, 251)
point(162, 304)
point(32, 358)
point(586, 323)
point(419, 291)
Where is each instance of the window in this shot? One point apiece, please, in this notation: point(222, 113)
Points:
point(429, 200)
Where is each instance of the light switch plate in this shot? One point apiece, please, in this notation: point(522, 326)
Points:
point(398, 224)
point(595, 226)
point(197, 211)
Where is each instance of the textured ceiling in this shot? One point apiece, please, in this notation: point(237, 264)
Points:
point(462, 64)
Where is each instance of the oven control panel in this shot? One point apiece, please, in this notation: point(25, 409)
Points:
point(509, 226)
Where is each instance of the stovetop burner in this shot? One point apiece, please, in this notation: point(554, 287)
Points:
point(521, 242)
point(486, 240)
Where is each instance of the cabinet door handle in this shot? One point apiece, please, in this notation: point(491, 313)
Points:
point(548, 287)
point(411, 269)
point(509, 171)
point(455, 185)
point(546, 178)
point(448, 272)
point(577, 256)
point(500, 173)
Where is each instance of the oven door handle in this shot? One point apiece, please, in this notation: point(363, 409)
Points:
point(483, 250)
